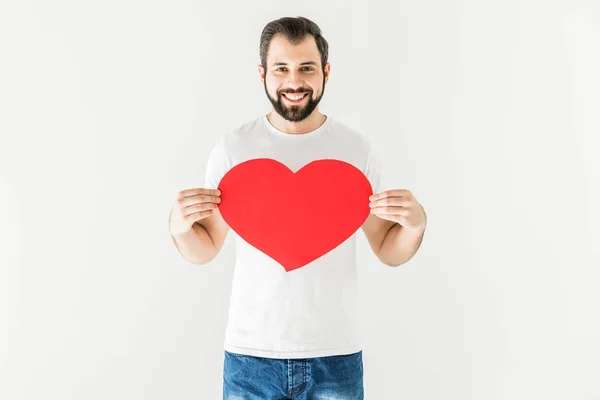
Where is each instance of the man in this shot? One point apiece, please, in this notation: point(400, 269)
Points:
point(294, 334)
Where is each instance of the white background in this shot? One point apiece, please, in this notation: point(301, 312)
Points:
point(486, 110)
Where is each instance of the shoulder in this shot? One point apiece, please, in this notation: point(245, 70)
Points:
point(234, 137)
point(226, 150)
point(351, 135)
point(230, 138)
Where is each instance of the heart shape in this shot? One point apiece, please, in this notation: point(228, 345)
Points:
point(294, 218)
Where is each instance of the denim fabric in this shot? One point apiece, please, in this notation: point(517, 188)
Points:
point(320, 378)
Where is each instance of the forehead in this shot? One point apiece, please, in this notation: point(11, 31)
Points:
point(281, 50)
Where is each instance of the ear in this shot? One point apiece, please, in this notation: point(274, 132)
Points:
point(326, 71)
point(261, 72)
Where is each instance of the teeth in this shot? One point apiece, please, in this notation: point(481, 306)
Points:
point(294, 96)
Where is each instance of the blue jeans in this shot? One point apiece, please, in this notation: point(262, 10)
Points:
point(257, 378)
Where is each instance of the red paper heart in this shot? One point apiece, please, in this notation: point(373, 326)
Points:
point(294, 218)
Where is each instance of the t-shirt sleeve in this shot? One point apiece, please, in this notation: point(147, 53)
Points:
point(217, 165)
point(374, 169)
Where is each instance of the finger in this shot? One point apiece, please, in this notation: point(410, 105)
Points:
point(192, 201)
point(200, 214)
point(390, 210)
point(391, 201)
point(390, 217)
point(199, 207)
point(197, 191)
point(390, 193)
point(203, 198)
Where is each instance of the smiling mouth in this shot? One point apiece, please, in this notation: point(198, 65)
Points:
point(293, 100)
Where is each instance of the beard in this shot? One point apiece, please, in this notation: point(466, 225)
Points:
point(293, 112)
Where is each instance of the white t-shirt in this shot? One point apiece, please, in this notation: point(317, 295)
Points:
point(311, 311)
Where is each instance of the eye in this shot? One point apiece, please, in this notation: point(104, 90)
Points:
point(305, 68)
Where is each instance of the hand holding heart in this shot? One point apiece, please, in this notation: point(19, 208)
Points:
point(275, 209)
point(399, 205)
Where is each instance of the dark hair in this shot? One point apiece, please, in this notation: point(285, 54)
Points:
point(294, 30)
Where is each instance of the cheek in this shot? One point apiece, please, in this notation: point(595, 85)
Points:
point(316, 85)
point(273, 86)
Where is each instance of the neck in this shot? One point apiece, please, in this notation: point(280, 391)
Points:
point(312, 122)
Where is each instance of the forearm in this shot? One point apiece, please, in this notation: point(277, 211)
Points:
point(400, 245)
point(195, 245)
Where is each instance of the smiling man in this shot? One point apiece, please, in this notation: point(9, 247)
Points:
point(295, 334)
point(294, 106)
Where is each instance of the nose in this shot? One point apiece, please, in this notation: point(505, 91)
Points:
point(294, 81)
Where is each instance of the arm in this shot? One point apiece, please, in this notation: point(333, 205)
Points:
point(204, 240)
point(393, 242)
point(400, 245)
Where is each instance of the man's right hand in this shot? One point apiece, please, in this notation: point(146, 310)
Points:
point(192, 205)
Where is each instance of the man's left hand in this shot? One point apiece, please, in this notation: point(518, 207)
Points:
point(401, 206)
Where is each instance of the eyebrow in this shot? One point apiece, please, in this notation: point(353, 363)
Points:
point(304, 63)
